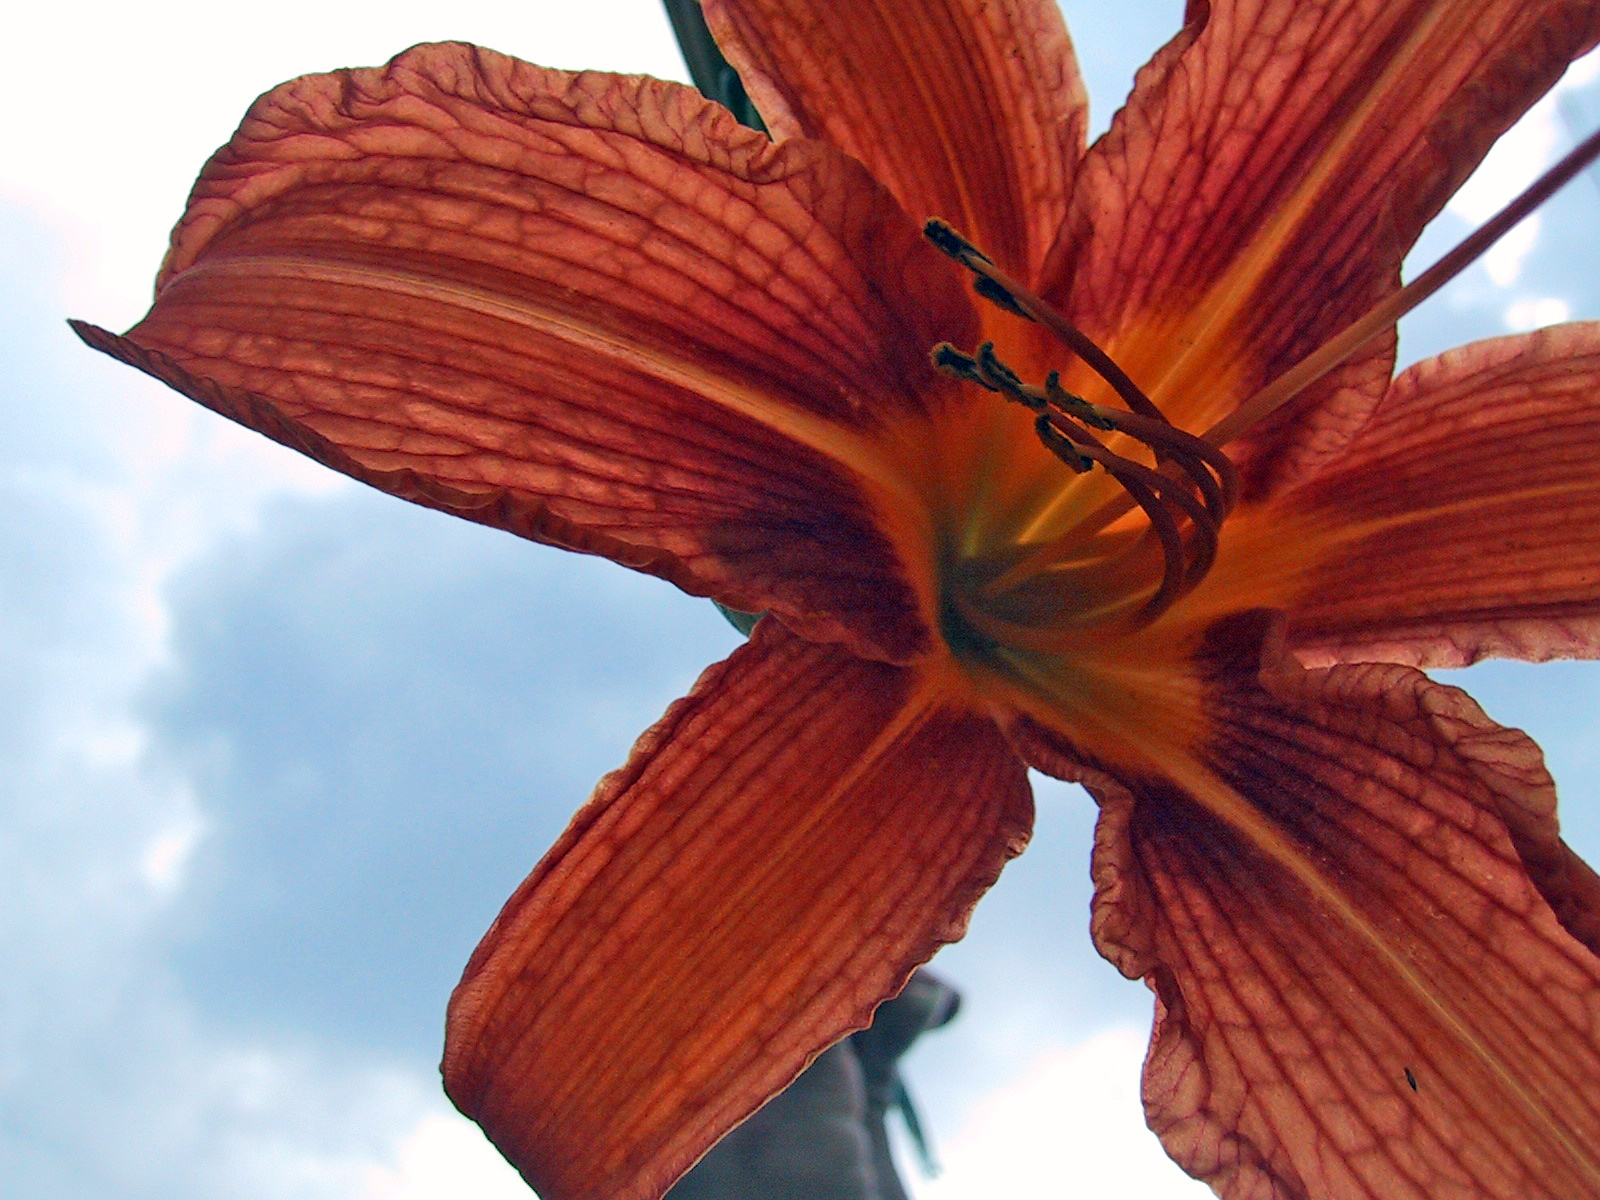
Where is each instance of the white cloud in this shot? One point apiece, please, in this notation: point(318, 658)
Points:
point(1512, 164)
point(443, 1158)
point(138, 98)
point(1534, 314)
point(1071, 1126)
point(167, 855)
point(1504, 260)
point(1582, 72)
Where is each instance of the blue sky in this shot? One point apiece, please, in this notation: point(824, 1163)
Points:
point(278, 747)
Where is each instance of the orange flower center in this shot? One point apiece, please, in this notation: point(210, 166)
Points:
point(1055, 569)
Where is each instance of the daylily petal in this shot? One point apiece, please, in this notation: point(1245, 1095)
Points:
point(1266, 178)
point(779, 853)
point(586, 308)
point(1460, 521)
point(1361, 990)
point(969, 110)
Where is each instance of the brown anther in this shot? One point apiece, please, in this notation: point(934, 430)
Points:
point(1068, 402)
point(1060, 445)
point(951, 361)
point(1002, 378)
point(999, 296)
point(1018, 299)
point(947, 241)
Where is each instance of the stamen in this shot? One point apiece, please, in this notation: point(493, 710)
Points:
point(1384, 314)
point(1188, 451)
point(1211, 471)
point(987, 371)
point(1140, 483)
point(1059, 445)
point(1162, 524)
point(995, 285)
point(1068, 402)
point(1178, 577)
point(1063, 422)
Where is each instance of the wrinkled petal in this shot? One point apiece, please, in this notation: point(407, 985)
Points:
point(1461, 521)
point(586, 308)
point(1268, 175)
point(970, 110)
point(1368, 982)
point(777, 855)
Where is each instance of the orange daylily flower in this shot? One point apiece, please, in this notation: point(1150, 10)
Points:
point(596, 312)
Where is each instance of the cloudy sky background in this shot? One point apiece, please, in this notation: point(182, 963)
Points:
point(277, 747)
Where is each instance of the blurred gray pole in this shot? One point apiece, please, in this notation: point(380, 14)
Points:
point(827, 1136)
point(709, 70)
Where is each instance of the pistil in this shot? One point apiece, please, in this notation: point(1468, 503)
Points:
point(1384, 314)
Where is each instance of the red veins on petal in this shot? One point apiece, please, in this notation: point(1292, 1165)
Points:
point(780, 852)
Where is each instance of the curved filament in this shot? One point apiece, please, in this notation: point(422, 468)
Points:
point(1192, 482)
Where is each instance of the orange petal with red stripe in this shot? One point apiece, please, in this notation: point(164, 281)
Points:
point(1461, 520)
point(1367, 976)
point(969, 110)
point(587, 308)
point(779, 853)
point(1266, 178)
